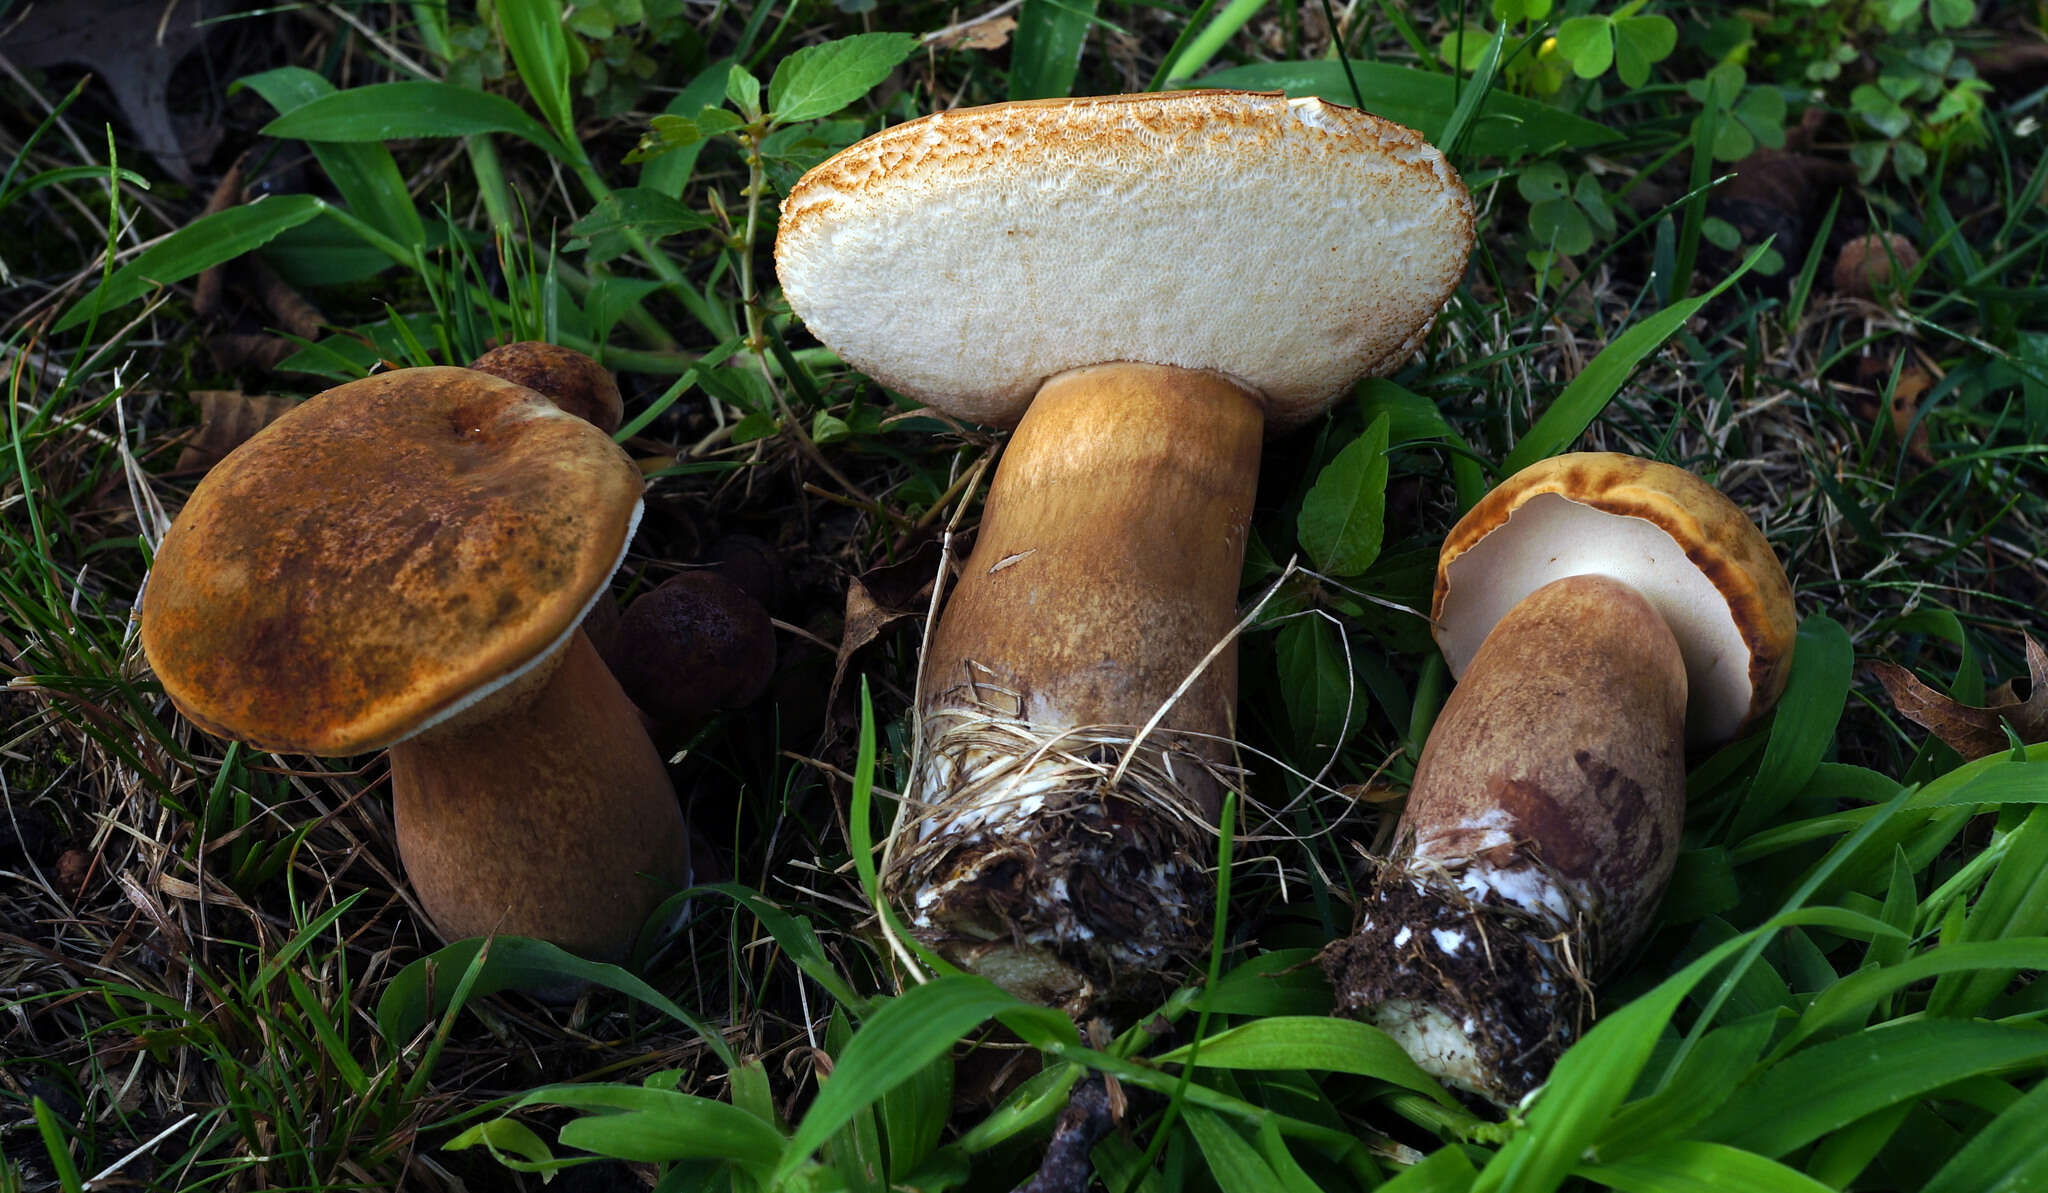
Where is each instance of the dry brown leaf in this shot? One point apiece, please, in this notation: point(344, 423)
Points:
point(227, 417)
point(865, 620)
point(1971, 731)
point(1914, 382)
point(992, 33)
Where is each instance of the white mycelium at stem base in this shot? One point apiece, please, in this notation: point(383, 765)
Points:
point(1184, 268)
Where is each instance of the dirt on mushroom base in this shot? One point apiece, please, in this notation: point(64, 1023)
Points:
point(1440, 960)
point(1100, 870)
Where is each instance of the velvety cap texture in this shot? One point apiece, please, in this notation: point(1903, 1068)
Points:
point(380, 556)
point(1290, 244)
point(1678, 541)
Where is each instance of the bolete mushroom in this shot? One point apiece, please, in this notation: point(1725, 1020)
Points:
point(564, 376)
point(402, 561)
point(1141, 285)
point(1601, 611)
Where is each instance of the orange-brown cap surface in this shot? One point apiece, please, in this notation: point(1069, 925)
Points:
point(381, 557)
point(1289, 244)
point(1675, 539)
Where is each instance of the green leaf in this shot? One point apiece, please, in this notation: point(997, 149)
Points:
point(2005, 1156)
point(1588, 44)
point(1639, 43)
point(1689, 1166)
point(510, 1142)
point(204, 243)
point(1589, 392)
point(396, 111)
point(1506, 125)
point(1853, 997)
point(640, 1124)
point(744, 90)
point(1821, 1089)
point(906, 1034)
point(1343, 517)
point(1045, 48)
point(1232, 1160)
point(1710, 1074)
point(365, 174)
point(1543, 181)
point(1803, 731)
point(514, 963)
point(1318, 1042)
point(819, 80)
point(540, 51)
point(1316, 683)
point(1558, 224)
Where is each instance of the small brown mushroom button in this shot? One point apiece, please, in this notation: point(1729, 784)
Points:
point(1140, 285)
point(402, 561)
point(1600, 611)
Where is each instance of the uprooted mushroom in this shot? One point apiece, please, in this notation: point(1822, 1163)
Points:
point(403, 561)
point(1601, 612)
point(1140, 285)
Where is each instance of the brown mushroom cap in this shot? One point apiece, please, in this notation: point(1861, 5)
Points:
point(1289, 244)
point(564, 376)
point(382, 557)
point(1675, 539)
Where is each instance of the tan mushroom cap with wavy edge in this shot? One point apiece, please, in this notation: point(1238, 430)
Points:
point(383, 557)
point(1291, 245)
point(1689, 550)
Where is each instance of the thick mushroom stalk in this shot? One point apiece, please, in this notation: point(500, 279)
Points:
point(1601, 611)
point(403, 561)
point(1103, 578)
point(1185, 268)
point(1542, 827)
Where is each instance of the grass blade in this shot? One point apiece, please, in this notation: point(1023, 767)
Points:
point(199, 246)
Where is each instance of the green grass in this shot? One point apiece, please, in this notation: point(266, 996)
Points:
point(210, 971)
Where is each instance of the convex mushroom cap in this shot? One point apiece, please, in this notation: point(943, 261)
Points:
point(1685, 547)
point(383, 557)
point(1291, 245)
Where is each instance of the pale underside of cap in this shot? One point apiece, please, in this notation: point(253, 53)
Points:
point(381, 557)
point(963, 258)
point(1691, 552)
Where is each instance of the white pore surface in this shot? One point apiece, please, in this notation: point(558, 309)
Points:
point(964, 258)
point(1551, 537)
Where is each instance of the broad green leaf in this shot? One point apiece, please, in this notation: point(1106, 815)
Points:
point(511, 1143)
point(796, 936)
point(1639, 43)
point(1506, 125)
point(540, 52)
point(1319, 1042)
point(906, 1034)
point(1036, 1101)
point(1045, 48)
point(744, 90)
point(914, 1116)
point(200, 245)
point(395, 111)
point(365, 174)
point(819, 80)
point(1316, 683)
point(2013, 903)
point(670, 172)
point(1343, 517)
point(1588, 44)
point(1589, 392)
point(1689, 1166)
point(1804, 728)
point(1233, 1161)
point(2005, 1156)
point(1594, 1075)
point(1709, 1075)
point(1447, 1170)
point(514, 963)
point(652, 1126)
point(1282, 982)
point(1828, 1086)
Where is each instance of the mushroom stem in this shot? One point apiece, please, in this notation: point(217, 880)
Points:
point(1104, 573)
point(546, 815)
point(1543, 825)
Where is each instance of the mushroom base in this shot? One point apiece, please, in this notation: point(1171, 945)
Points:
point(1483, 995)
point(1054, 872)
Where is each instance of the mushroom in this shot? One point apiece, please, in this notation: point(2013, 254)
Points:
point(564, 376)
point(1601, 612)
point(402, 561)
point(692, 645)
point(1140, 285)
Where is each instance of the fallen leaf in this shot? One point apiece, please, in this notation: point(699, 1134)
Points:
point(1913, 384)
point(865, 620)
point(989, 33)
point(1971, 731)
point(227, 417)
